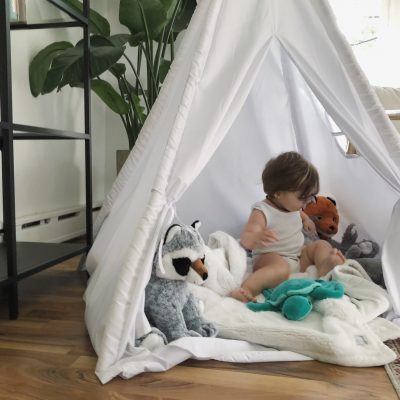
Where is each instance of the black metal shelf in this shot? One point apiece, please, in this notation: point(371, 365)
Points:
point(45, 25)
point(33, 257)
point(19, 260)
point(24, 132)
point(78, 19)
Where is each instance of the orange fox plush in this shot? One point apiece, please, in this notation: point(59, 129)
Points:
point(325, 216)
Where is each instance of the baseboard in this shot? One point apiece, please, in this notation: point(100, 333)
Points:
point(53, 227)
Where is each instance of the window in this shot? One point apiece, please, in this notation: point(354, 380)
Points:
point(341, 139)
point(359, 20)
point(372, 28)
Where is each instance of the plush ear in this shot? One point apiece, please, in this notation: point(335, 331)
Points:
point(171, 232)
point(196, 224)
point(333, 201)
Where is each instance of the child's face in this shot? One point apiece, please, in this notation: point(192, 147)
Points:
point(293, 201)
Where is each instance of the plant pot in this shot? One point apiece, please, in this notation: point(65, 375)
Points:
point(122, 155)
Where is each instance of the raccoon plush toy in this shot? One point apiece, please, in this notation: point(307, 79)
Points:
point(169, 305)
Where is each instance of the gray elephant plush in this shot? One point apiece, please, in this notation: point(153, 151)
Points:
point(363, 251)
point(352, 248)
point(169, 305)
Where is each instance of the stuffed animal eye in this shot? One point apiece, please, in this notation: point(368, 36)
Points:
point(203, 259)
point(182, 265)
point(319, 217)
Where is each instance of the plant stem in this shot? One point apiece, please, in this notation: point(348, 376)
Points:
point(138, 82)
point(125, 123)
point(130, 99)
point(138, 67)
point(151, 79)
point(152, 83)
point(170, 30)
point(172, 49)
point(158, 54)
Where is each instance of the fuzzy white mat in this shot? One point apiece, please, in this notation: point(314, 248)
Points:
point(343, 331)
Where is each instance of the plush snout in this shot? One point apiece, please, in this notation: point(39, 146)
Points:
point(326, 225)
point(200, 268)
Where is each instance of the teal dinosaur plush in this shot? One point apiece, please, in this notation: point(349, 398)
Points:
point(294, 297)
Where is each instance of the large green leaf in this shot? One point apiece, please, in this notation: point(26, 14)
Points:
point(101, 53)
point(139, 109)
point(68, 66)
point(184, 15)
point(137, 38)
point(127, 89)
point(40, 64)
point(120, 39)
point(157, 14)
point(53, 79)
point(96, 41)
point(103, 57)
point(163, 70)
point(97, 23)
point(110, 96)
point(118, 69)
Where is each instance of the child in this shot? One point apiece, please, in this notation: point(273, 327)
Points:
point(274, 229)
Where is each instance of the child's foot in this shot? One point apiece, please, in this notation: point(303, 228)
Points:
point(334, 258)
point(340, 255)
point(242, 294)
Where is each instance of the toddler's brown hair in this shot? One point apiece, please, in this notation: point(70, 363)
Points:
point(290, 172)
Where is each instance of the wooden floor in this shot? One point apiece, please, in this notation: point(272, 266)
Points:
point(46, 354)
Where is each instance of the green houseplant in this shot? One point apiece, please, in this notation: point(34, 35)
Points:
point(127, 85)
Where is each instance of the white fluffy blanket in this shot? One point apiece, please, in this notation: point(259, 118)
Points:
point(344, 331)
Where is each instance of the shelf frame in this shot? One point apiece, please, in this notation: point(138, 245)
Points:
point(11, 251)
point(33, 257)
point(30, 132)
point(7, 148)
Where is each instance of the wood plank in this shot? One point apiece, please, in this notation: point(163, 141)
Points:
point(47, 354)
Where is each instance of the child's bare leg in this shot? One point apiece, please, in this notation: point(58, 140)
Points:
point(269, 271)
point(321, 254)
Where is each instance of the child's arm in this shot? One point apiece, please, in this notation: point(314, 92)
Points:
point(255, 233)
point(308, 223)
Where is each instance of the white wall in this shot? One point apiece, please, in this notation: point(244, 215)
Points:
point(49, 175)
point(116, 138)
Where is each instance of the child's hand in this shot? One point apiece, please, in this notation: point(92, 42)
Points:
point(266, 237)
point(309, 226)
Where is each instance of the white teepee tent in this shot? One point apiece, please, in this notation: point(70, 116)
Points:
point(251, 79)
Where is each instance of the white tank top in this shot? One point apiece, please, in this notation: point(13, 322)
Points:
point(287, 225)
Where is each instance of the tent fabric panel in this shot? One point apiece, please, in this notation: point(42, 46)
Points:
point(112, 327)
point(159, 122)
point(342, 100)
point(193, 124)
point(391, 257)
point(174, 353)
